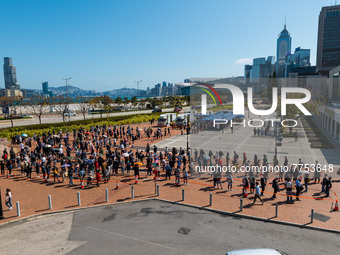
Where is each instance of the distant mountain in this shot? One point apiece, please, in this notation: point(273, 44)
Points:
point(63, 88)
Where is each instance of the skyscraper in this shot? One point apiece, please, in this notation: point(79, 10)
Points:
point(45, 88)
point(10, 75)
point(284, 45)
point(328, 51)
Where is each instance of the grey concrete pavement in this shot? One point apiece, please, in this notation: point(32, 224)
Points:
point(157, 227)
point(243, 140)
point(45, 235)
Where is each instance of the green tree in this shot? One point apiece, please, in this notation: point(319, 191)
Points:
point(118, 101)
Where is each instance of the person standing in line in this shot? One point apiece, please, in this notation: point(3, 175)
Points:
point(299, 188)
point(55, 173)
point(98, 178)
point(230, 181)
point(289, 187)
point(245, 184)
point(257, 194)
point(167, 171)
point(70, 175)
point(185, 177)
point(227, 158)
point(275, 186)
point(2, 166)
point(317, 173)
point(252, 181)
point(323, 184)
point(328, 186)
point(263, 185)
point(177, 175)
point(307, 181)
point(244, 159)
point(9, 199)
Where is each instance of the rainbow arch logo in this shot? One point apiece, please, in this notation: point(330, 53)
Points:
point(204, 87)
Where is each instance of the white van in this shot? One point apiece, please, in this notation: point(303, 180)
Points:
point(257, 252)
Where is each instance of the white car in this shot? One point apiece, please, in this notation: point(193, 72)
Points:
point(257, 252)
point(70, 113)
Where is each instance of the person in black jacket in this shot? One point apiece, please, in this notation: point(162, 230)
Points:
point(275, 186)
point(328, 186)
point(263, 185)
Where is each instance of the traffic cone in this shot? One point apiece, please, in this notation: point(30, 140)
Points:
point(7, 176)
point(45, 178)
point(245, 195)
point(336, 207)
point(136, 179)
point(117, 184)
point(82, 184)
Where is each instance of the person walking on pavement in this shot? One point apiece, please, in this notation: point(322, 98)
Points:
point(9, 199)
point(257, 194)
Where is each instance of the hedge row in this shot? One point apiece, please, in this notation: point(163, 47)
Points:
point(39, 129)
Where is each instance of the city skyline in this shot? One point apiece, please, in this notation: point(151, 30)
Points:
point(109, 46)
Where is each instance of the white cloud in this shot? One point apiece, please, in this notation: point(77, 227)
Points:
point(244, 61)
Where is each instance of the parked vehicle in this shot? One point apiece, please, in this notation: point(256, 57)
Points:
point(257, 252)
point(181, 120)
point(178, 108)
point(157, 110)
point(71, 114)
point(166, 119)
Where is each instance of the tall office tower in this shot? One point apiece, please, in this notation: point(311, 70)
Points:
point(328, 51)
point(10, 75)
point(45, 88)
point(284, 45)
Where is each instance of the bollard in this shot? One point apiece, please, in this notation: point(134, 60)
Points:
point(276, 209)
point(78, 194)
point(107, 195)
point(157, 190)
point(241, 204)
point(210, 200)
point(312, 216)
point(18, 209)
point(50, 202)
point(183, 195)
point(132, 192)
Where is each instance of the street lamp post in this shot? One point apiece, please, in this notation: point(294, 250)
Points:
point(188, 130)
point(138, 86)
point(67, 95)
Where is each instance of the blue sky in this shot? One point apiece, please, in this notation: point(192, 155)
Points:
point(108, 44)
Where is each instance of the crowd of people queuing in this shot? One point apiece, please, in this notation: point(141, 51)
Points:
point(94, 155)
